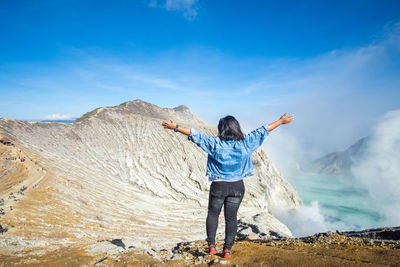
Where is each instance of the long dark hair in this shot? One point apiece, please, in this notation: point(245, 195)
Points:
point(229, 129)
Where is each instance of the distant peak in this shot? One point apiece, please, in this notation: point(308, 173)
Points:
point(181, 108)
point(136, 102)
point(139, 101)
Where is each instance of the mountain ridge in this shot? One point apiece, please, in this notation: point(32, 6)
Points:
point(140, 107)
point(340, 163)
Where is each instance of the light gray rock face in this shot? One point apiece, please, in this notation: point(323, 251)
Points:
point(120, 168)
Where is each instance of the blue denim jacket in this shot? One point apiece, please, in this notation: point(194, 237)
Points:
point(229, 160)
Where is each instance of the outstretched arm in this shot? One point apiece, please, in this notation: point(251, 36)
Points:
point(283, 120)
point(172, 125)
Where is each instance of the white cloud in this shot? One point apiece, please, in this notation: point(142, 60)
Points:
point(53, 117)
point(189, 8)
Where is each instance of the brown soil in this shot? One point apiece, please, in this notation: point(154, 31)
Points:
point(335, 250)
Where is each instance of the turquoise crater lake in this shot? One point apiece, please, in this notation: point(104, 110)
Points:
point(342, 200)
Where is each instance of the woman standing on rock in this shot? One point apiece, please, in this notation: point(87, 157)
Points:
point(229, 161)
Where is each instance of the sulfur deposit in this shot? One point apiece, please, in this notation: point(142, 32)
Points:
point(116, 174)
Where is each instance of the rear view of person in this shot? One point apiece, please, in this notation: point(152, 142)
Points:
point(229, 161)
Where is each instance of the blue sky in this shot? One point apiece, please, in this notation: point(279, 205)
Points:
point(334, 64)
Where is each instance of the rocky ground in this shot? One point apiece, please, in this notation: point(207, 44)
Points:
point(323, 249)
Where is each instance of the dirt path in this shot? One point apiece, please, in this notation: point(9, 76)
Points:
point(28, 174)
point(40, 166)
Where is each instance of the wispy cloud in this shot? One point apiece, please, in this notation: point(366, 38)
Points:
point(189, 8)
point(123, 77)
point(53, 117)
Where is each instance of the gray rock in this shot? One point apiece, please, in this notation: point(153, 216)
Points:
point(340, 163)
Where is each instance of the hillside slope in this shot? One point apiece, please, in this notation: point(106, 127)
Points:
point(116, 173)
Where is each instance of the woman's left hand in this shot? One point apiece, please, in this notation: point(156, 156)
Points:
point(286, 118)
point(169, 125)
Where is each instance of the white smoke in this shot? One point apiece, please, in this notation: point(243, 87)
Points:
point(308, 220)
point(379, 170)
point(285, 151)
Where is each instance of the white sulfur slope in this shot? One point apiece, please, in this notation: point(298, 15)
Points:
point(119, 174)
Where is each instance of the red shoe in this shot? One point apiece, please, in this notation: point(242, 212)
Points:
point(212, 250)
point(227, 253)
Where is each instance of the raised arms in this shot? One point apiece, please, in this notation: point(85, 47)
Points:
point(284, 119)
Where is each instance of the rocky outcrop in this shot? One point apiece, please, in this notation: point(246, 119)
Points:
point(385, 233)
point(117, 173)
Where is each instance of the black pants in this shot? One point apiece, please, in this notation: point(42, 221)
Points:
point(229, 195)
